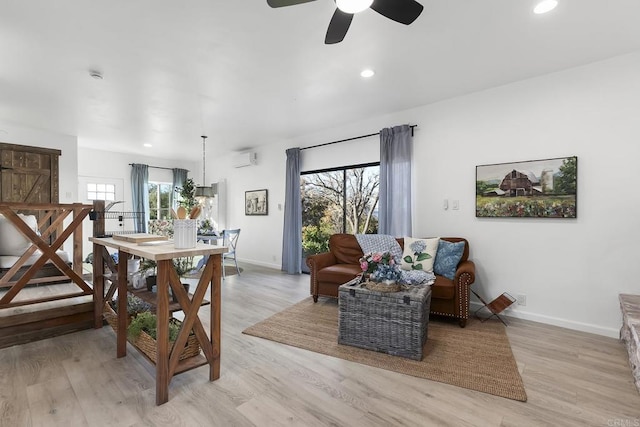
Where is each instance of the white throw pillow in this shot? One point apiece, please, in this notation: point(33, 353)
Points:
point(419, 254)
point(12, 242)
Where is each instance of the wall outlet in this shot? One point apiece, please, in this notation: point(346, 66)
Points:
point(522, 299)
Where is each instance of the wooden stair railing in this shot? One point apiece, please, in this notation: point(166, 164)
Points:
point(74, 310)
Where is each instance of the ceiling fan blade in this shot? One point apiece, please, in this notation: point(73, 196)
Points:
point(282, 3)
point(338, 27)
point(402, 11)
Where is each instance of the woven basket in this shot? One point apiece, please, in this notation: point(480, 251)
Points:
point(111, 316)
point(145, 343)
point(383, 287)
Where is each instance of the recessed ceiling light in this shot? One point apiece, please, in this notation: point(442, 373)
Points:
point(148, 145)
point(545, 6)
point(367, 73)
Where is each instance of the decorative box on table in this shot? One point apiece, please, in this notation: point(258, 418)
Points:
point(390, 322)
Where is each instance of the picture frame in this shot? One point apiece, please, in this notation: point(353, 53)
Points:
point(528, 189)
point(256, 202)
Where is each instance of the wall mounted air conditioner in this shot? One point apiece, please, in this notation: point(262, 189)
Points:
point(245, 159)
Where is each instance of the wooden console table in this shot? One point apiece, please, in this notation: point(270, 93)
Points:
point(168, 363)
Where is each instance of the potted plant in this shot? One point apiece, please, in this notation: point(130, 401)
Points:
point(148, 267)
point(183, 266)
point(185, 227)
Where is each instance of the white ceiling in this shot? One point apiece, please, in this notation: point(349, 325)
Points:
point(246, 74)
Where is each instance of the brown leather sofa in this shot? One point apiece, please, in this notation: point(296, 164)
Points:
point(331, 269)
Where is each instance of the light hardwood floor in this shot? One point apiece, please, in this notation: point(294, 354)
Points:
point(571, 378)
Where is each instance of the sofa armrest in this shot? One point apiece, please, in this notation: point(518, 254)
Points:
point(465, 276)
point(320, 261)
point(316, 263)
point(466, 272)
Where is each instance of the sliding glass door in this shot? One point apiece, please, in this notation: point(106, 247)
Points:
point(340, 200)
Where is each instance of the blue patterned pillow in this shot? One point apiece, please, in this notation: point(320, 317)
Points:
point(447, 258)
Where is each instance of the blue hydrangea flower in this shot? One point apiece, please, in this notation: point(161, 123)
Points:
point(418, 246)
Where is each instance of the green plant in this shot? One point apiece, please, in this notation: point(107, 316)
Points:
point(183, 265)
point(315, 239)
point(148, 265)
point(187, 194)
point(135, 305)
point(147, 322)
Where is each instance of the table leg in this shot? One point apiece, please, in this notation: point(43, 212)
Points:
point(214, 369)
point(98, 286)
point(162, 327)
point(122, 304)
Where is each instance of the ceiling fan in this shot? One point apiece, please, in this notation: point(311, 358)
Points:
point(402, 11)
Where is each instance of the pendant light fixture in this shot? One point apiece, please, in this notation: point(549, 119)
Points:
point(203, 190)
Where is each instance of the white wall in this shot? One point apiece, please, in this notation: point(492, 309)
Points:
point(571, 270)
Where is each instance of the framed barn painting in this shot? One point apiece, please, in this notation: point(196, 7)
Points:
point(256, 202)
point(531, 189)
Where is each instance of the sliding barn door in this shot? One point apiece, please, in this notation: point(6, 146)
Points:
point(28, 174)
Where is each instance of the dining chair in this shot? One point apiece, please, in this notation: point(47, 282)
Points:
point(230, 240)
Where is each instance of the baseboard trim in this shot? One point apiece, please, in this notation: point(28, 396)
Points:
point(260, 263)
point(555, 321)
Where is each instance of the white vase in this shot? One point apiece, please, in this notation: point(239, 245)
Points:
point(185, 233)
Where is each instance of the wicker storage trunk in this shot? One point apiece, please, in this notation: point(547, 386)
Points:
point(389, 322)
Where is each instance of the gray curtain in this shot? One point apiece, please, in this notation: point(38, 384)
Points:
point(140, 193)
point(292, 235)
point(396, 147)
point(179, 177)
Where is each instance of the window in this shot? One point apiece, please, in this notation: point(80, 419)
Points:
point(341, 200)
point(160, 200)
point(101, 192)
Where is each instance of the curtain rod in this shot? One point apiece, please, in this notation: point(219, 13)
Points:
point(351, 139)
point(155, 167)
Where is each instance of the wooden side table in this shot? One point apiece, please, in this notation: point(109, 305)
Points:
point(496, 306)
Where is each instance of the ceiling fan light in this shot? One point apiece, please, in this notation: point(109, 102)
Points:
point(353, 6)
point(545, 6)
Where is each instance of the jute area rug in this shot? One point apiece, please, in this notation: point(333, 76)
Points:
point(477, 357)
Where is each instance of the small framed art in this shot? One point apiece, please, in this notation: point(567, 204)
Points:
point(256, 202)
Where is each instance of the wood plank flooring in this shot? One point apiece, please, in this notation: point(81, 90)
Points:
point(571, 378)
